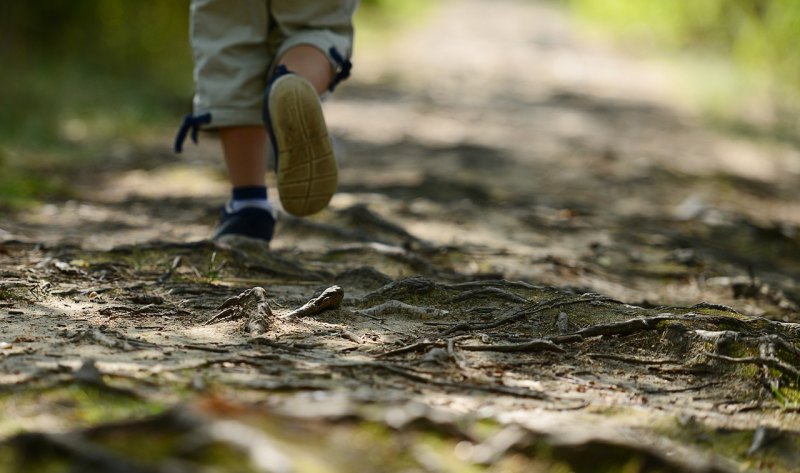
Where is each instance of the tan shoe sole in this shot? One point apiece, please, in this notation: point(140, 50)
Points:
point(307, 173)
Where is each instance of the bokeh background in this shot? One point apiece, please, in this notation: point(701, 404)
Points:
point(82, 77)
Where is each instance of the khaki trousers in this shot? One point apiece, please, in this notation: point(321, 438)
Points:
point(236, 44)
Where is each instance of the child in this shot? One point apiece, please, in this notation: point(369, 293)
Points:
point(264, 63)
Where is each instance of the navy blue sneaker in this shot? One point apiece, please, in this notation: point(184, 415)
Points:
point(249, 222)
point(305, 164)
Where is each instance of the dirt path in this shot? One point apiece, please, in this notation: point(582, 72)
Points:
point(544, 259)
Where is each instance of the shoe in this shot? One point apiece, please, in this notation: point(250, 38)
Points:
point(250, 222)
point(305, 162)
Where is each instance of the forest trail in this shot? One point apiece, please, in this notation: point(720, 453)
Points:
point(543, 258)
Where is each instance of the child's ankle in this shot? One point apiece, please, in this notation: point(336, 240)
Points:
point(249, 197)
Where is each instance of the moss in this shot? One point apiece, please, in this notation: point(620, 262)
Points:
point(790, 395)
point(8, 294)
point(75, 405)
point(734, 445)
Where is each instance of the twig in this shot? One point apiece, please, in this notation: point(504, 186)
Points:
point(491, 283)
point(110, 340)
point(175, 263)
point(362, 314)
point(562, 323)
point(331, 298)
point(776, 339)
point(625, 327)
point(419, 346)
point(495, 292)
point(395, 306)
point(351, 336)
point(679, 390)
point(531, 346)
point(758, 360)
point(633, 359)
point(190, 346)
point(224, 314)
point(517, 392)
point(518, 314)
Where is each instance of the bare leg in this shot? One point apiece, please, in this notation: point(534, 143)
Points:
point(245, 147)
point(310, 63)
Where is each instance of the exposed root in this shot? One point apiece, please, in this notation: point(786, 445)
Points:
point(493, 292)
point(394, 307)
point(252, 304)
point(773, 363)
point(109, 339)
point(562, 323)
point(416, 285)
point(496, 389)
point(517, 314)
point(331, 298)
point(531, 346)
point(419, 346)
point(634, 360)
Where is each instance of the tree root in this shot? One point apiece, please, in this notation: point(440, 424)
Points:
point(394, 306)
point(496, 389)
point(419, 346)
point(773, 363)
point(633, 359)
point(517, 314)
point(493, 292)
point(531, 346)
point(331, 298)
point(252, 304)
point(109, 339)
point(415, 285)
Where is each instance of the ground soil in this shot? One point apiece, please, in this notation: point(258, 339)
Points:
point(547, 261)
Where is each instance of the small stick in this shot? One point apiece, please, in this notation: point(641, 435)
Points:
point(633, 359)
point(175, 263)
point(494, 292)
point(562, 323)
point(397, 306)
point(222, 315)
point(757, 360)
point(419, 346)
point(531, 346)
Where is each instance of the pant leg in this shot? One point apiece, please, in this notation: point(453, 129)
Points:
point(323, 24)
point(232, 58)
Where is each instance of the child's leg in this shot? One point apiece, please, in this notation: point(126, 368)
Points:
point(245, 146)
point(236, 45)
point(232, 57)
point(311, 64)
point(245, 150)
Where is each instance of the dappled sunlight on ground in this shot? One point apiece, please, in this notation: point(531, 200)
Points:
point(493, 143)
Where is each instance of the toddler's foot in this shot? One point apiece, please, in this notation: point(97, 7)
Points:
point(252, 222)
point(306, 167)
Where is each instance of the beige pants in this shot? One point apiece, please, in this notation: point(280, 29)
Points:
point(236, 44)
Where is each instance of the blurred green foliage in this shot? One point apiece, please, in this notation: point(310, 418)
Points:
point(760, 37)
point(81, 75)
point(84, 73)
point(101, 62)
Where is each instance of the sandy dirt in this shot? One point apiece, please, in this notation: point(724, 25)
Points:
point(545, 259)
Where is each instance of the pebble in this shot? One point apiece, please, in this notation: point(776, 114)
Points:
point(15, 312)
